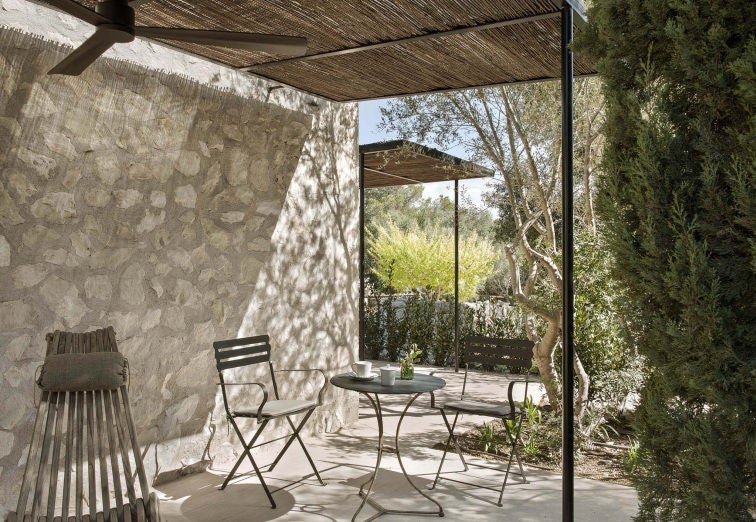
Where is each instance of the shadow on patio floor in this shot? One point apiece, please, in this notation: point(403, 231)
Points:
point(197, 498)
point(346, 458)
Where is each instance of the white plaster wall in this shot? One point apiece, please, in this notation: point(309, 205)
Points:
point(293, 276)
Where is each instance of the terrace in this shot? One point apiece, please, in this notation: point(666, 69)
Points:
point(184, 193)
point(346, 458)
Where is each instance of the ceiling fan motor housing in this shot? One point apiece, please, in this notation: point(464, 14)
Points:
point(118, 11)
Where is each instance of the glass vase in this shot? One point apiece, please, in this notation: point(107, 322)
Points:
point(407, 372)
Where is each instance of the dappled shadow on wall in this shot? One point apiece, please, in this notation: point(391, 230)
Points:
point(163, 207)
point(306, 294)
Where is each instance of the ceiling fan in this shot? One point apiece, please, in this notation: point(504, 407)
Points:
point(114, 23)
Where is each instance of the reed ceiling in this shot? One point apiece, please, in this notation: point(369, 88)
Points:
point(402, 162)
point(496, 42)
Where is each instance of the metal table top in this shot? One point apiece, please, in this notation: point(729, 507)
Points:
point(421, 383)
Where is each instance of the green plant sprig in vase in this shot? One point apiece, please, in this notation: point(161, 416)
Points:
point(408, 362)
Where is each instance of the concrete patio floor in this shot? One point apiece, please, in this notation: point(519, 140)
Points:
point(346, 459)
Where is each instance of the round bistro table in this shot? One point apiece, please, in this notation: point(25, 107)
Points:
point(372, 390)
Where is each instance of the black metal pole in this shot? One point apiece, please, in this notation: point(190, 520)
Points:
point(361, 350)
point(568, 304)
point(456, 275)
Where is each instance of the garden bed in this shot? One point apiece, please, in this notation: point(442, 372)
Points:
point(610, 461)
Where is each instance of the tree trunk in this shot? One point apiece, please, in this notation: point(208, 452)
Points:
point(584, 382)
point(590, 215)
point(543, 354)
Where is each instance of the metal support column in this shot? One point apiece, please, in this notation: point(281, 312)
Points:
point(361, 350)
point(568, 304)
point(456, 275)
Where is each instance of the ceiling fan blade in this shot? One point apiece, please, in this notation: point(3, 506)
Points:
point(269, 43)
point(83, 56)
point(79, 11)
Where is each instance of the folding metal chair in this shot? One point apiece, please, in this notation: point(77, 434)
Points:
point(489, 352)
point(236, 353)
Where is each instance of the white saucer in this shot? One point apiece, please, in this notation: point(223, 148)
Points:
point(360, 378)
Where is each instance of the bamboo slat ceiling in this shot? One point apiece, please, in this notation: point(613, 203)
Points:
point(401, 162)
point(496, 41)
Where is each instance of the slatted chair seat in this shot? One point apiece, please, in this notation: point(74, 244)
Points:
point(276, 409)
point(487, 352)
point(487, 409)
point(84, 461)
point(249, 351)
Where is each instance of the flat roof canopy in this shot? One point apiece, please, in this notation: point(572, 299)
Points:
point(401, 162)
point(360, 49)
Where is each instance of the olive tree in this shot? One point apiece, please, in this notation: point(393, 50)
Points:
point(515, 131)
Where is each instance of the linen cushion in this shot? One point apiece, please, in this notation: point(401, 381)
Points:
point(83, 372)
point(277, 408)
point(478, 408)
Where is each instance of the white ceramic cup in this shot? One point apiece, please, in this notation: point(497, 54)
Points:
point(388, 375)
point(362, 368)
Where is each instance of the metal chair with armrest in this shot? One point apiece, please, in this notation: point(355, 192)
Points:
point(237, 353)
point(488, 351)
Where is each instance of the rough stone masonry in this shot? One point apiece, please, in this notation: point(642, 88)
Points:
point(179, 213)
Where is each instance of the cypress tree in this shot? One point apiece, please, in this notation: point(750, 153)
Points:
point(677, 198)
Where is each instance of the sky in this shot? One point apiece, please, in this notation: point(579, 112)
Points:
point(370, 117)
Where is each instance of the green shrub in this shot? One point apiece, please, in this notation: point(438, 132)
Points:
point(442, 348)
point(631, 457)
point(392, 322)
point(424, 261)
point(542, 437)
point(419, 322)
point(678, 201)
point(606, 349)
point(489, 437)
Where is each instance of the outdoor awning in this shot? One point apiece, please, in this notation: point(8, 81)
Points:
point(361, 49)
point(402, 162)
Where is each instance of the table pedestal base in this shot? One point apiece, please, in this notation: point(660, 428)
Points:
point(365, 495)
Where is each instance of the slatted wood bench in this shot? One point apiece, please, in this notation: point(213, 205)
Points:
point(84, 438)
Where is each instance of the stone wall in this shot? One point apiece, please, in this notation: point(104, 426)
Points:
point(178, 208)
